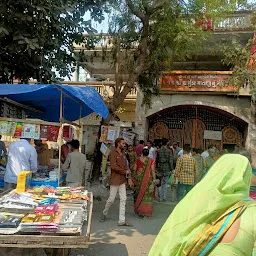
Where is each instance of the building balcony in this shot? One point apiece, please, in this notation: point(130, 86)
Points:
point(234, 22)
point(105, 89)
point(107, 92)
point(240, 22)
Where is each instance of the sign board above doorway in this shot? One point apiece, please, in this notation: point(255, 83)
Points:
point(212, 135)
point(197, 81)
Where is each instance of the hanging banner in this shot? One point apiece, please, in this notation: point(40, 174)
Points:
point(68, 132)
point(43, 132)
point(53, 132)
point(104, 133)
point(7, 128)
point(37, 132)
point(212, 135)
point(104, 149)
point(111, 134)
point(18, 130)
point(3, 127)
point(28, 131)
point(128, 137)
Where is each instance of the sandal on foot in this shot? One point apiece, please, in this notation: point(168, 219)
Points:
point(124, 225)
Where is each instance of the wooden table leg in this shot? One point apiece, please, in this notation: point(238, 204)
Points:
point(66, 252)
point(54, 252)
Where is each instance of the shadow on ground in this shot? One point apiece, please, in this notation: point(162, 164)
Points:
point(102, 249)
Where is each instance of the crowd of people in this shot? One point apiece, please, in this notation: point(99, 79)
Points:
point(216, 217)
point(150, 170)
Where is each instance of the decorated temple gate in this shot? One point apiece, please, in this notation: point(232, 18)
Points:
point(199, 126)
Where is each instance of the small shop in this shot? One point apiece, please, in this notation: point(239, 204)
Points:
point(39, 213)
point(55, 108)
point(47, 173)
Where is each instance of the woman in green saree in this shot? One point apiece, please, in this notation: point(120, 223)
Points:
point(216, 217)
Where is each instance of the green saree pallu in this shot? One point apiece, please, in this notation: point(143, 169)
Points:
point(201, 219)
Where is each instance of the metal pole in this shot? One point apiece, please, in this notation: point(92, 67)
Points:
point(60, 135)
point(81, 129)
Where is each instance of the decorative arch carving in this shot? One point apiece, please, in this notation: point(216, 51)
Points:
point(158, 131)
point(231, 135)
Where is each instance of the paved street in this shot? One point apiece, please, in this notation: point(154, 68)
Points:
point(107, 239)
point(110, 240)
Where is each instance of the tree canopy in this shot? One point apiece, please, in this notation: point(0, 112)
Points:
point(37, 37)
point(148, 35)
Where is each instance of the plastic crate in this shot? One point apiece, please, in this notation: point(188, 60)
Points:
point(52, 183)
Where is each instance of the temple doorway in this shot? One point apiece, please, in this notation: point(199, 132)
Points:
point(199, 126)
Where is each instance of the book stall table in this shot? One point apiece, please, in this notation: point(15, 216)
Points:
point(46, 218)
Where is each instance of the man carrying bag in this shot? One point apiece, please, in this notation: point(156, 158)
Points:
point(164, 164)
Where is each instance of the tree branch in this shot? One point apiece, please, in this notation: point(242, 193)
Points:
point(136, 12)
point(156, 6)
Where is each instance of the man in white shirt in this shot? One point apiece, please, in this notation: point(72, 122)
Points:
point(21, 157)
point(205, 154)
point(152, 150)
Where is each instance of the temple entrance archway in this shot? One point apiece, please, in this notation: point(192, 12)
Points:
point(199, 126)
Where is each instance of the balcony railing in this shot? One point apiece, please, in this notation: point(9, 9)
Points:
point(237, 21)
point(240, 21)
point(107, 92)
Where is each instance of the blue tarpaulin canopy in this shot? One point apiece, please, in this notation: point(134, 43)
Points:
point(47, 98)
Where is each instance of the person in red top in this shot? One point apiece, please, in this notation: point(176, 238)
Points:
point(119, 173)
point(65, 150)
point(139, 148)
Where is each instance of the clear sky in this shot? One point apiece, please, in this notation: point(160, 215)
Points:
point(100, 27)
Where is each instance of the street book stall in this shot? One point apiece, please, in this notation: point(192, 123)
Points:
point(46, 174)
point(44, 216)
point(56, 107)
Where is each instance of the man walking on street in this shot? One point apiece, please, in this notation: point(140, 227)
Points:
point(186, 172)
point(164, 162)
point(119, 172)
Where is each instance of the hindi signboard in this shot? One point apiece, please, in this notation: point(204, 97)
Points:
point(196, 81)
point(212, 135)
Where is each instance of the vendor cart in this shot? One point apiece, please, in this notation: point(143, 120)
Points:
point(64, 241)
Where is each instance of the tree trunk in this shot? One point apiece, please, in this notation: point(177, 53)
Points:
point(108, 119)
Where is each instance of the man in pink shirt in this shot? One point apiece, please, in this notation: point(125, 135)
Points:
point(139, 148)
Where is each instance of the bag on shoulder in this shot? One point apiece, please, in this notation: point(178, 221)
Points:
point(165, 157)
point(170, 180)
